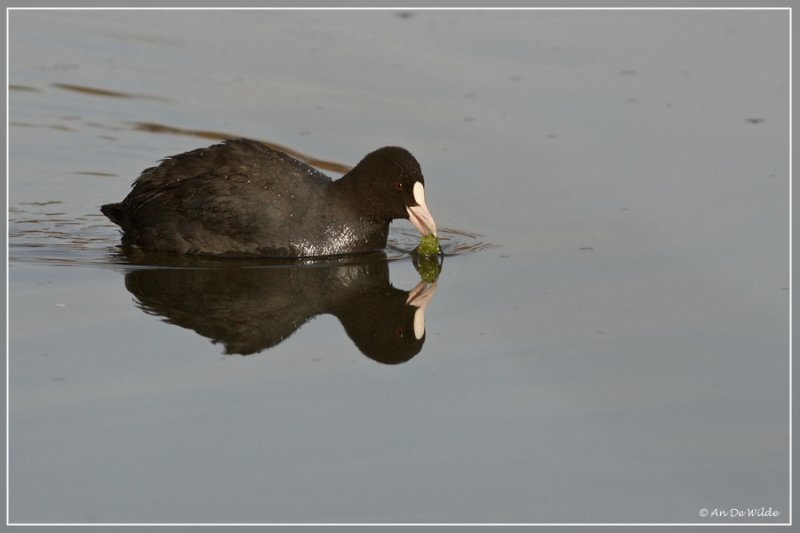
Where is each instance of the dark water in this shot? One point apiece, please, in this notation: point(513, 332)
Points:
point(607, 336)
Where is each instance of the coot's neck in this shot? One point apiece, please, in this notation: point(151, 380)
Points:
point(349, 191)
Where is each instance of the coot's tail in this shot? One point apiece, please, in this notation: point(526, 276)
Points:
point(117, 214)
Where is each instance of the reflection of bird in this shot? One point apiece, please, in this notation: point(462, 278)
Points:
point(242, 198)
point(250, 308)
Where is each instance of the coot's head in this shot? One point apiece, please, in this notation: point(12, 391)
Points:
point(390, 184)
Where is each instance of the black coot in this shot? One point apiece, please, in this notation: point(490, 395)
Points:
point(243, 198)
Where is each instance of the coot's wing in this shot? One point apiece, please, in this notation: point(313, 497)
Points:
point(232, 156)
point(235, 197)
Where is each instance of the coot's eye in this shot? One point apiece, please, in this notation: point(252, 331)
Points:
point(400, 186)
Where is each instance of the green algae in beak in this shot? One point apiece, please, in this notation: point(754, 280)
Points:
point(428, 246)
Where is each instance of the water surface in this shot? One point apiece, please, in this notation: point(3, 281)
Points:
point(607, 340)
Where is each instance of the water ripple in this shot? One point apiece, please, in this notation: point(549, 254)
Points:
point(52, 237)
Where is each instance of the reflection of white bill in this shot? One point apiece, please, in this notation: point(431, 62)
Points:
point(419, 297)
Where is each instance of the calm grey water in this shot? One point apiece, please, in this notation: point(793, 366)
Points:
point(618, 354)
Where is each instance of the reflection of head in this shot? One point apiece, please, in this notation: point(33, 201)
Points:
point(382, 326)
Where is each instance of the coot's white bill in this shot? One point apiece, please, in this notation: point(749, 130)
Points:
point(419, 214)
